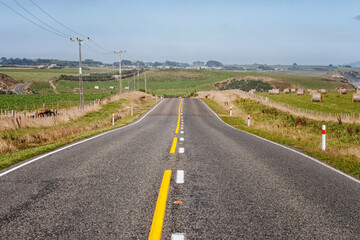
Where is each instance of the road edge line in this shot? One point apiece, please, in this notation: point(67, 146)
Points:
point(77, 143)
point(293, 150)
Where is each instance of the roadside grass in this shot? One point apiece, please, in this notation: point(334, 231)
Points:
point(332, 102)
point(343, 140)
point(30, 142)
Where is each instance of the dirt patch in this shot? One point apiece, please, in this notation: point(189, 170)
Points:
point(53, 86)
point(7, 82)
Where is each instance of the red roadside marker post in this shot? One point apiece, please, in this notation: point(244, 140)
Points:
point(323, 137)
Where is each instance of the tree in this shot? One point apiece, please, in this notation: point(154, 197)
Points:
point(212, 63)
point(294, 64)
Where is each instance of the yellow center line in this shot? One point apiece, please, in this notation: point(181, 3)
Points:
point(178, 123)
point(157, 223)
point(173, 147)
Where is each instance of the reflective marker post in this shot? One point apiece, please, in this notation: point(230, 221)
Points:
point(248, 120)
point(323, 137)
point(230, 111)
point(113, 119)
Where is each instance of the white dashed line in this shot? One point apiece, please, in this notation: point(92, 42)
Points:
point(182, 132)
point(181, 150)
point(181, 139)
point(180, 176)
point(177, 236)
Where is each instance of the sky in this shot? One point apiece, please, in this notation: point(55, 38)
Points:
point(308, 32)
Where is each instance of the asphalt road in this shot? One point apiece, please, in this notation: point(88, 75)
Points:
point(236, 186)
point(19, 89)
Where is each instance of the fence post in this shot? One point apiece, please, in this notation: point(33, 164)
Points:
point(323, 137)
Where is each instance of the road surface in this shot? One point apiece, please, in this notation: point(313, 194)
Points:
point(235, 186)
point(19, 89)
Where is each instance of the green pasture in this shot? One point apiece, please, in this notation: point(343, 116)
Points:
point(332, 102)
point(36, 101)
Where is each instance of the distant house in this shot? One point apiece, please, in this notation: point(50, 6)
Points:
point(112, 87)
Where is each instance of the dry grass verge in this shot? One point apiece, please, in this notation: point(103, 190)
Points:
point(15, 143)
point(343, 151)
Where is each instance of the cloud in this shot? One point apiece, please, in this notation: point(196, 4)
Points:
point(357, 17)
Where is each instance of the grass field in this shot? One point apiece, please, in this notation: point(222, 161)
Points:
point(332, 102)
point(36, 101)
point(179, 81)
point(342, 139)
point(172, 82)
point(38, 75)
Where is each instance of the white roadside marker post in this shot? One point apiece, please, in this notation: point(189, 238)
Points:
point(230, 111)
point(113, 119)
point(248, 120)
point(323, 137)
point(132, 111)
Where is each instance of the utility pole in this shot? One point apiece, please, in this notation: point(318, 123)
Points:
point(145, 82)
point(81, 89)
point(119, 53)
point(138, 68)
point(134, 81)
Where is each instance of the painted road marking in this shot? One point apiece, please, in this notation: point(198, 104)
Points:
point(181, 150)
point(177, 236)
point(292, 150)
point(158, 220)
point(173, 147)
point(181, 139)
point(178, 123)
point(77, 143)
point(182, 132)
point(182, 128)
point(180, 176)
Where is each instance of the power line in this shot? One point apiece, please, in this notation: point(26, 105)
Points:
point(94, 51)
point(65, 35)
point(95, 43)
point(101, 46)
point(57, 20)
point(32, 21)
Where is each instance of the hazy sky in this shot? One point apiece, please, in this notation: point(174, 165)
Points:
point(243, 31)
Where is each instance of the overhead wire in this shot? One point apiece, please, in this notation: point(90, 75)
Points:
point(56, 19)
point(32, 21)
point(90, 40)
point(65, 35)
point(57, 32)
